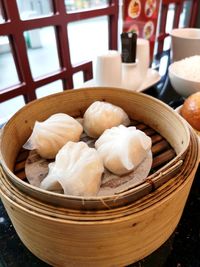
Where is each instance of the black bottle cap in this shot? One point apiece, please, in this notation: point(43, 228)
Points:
point(129, 44)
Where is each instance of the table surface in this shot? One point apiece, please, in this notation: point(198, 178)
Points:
point(180, 250)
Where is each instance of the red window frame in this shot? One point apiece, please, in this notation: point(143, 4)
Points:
point(14, 28)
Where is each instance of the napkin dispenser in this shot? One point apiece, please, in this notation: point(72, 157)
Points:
point(107, 69)
point(126, 69)
point(131, 75)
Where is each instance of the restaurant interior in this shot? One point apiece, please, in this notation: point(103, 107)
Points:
point(63, 56)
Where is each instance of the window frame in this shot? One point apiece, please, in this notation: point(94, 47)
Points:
point(14, 28)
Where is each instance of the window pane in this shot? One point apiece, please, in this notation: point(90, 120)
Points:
point(2, 17)
point(34, 9)
point(9, 107)
point(78, 79)
point(42, 51)
point(49, 89)
point(167, 43)
point(185, 15)
point(88, 38)
point(82, 5)
point(163, 65)
point(170, 18)
point(8, 71)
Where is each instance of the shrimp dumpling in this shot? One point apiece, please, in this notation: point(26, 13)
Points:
point(101, 116)
point(77, 170)
point(50, 135)
point(123, 148)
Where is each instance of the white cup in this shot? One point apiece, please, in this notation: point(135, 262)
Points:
point(143, 56)
point(107, 70)
point(131, 76)
point(185, 43)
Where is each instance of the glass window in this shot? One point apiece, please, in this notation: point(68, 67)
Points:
point(82, 5)
point(78, 79)
point(42, 51)
point(88, 38)
point(9, 107)
point(49, 89)
point(167, 43)
point(185, 15)
point(8, 71)
point(2, 17)
point(34, 8)
point(170, 18)
point(163, 65)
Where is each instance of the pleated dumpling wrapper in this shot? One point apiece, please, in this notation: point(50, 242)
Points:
point(77, 169)
point(101, 116)
point(50, 135)
point(123, 148)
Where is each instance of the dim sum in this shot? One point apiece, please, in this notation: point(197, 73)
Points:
point(77, 170)
point(50, 135)
point(101, 116)
point(123, 148)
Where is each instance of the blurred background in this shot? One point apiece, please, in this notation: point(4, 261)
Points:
point(47, 46)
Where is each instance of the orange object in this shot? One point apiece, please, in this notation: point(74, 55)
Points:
point(191, 110)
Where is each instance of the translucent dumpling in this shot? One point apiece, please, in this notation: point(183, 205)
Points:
point(50, 135)
point(101, 116)
point(77, 170)
point(123, 148)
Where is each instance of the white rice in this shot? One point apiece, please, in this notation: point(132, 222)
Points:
point(188, 68)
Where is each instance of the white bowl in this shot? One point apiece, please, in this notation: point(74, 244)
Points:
point(185, 43)
point(183, 86)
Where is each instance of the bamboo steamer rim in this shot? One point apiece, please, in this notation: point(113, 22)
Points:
point(51, 211)
point(88, 90)
point(106, 220)
point(191, 160)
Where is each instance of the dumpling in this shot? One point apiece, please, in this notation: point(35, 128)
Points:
point(50, 135)
point(123, 148)
point(77, 169)
point(101, 116)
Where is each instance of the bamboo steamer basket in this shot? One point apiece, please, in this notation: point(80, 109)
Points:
point(115, 237)
point(139, 107)
point(70, 231)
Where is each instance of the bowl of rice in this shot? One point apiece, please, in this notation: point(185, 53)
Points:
point(185, 75)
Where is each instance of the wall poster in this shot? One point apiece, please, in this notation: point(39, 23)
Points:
point(141, 16)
